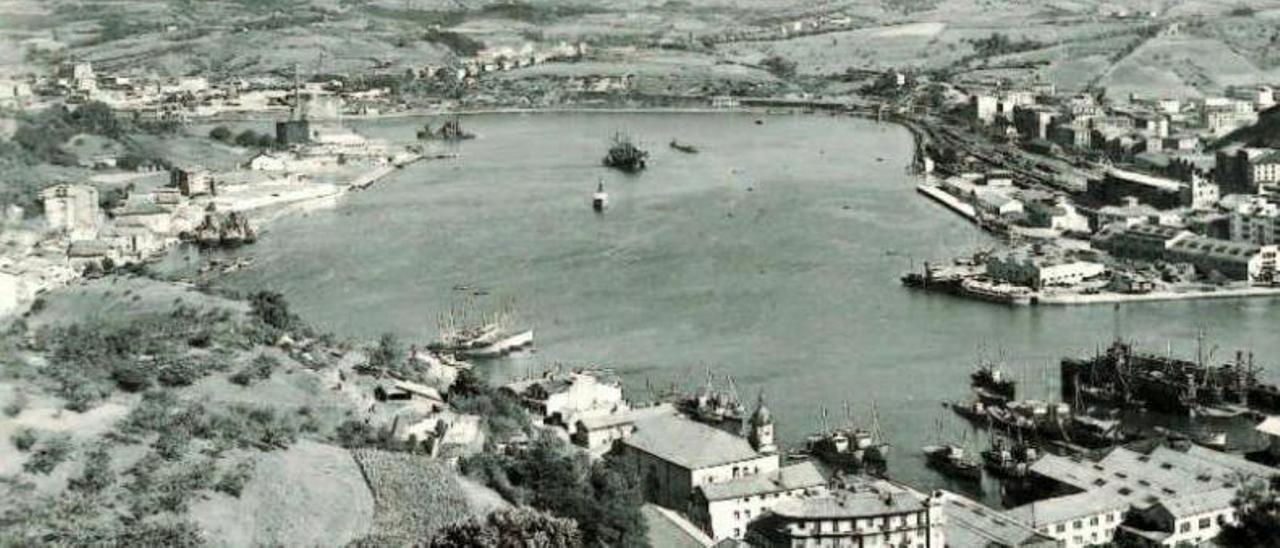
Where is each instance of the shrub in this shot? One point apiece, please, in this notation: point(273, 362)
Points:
point(259, 369)
point(247, 138)
point(272, 309)
point(510, 529)
point(51, 453)
point(96, 475)
point(23, 438)
point(233, 480)
point(220, 133)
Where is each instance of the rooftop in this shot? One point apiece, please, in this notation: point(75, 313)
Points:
point(597, 422)
point(1270, 427)
point(1168, 185)
point(801, 475)
point(847, 505)
point(687, 443)
point(1060, 509)
point(971, 523)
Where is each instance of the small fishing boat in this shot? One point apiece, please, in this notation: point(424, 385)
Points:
point(500, 347)
point(952, 461)
point(684, 147)
point(600, 200)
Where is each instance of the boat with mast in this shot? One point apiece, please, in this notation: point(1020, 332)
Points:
point(952, 460)
point(625, 155)
point(450, 130)
point(486, 336)
point(850, 448)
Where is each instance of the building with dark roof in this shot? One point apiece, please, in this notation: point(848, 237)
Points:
point(970, 523)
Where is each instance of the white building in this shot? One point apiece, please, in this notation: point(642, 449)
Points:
point(72, 209)
point(984, 108)
point(724, 509)
point(876, 515)
point(676, 456)
point(1083, 519)
point(566, 398)
point(1037, 272)
point(1192, 519)
point(598, 433)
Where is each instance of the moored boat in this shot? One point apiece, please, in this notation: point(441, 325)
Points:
point(684, 147)
point(600, 200)
point(995, 292)
point(952, 461)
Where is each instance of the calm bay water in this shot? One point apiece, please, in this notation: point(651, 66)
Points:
point(771, 256)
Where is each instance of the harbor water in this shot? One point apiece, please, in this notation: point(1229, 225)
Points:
point(772, 255)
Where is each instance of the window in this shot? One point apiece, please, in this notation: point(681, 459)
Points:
point(1093, 520)
point(1184, 527)
point(1062, 528)
point(1077, 524)
point(1205, 523)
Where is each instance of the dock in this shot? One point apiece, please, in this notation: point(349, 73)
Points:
point(951, 202)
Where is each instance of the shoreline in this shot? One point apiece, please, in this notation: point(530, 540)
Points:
point(1155, 296)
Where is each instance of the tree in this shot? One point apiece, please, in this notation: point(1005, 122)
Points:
point(388, 353)
point(272, 309)
point(1258, 511)
point(266, 141)
point(516, 528)
point(220, 133)
point(779, 66)
point(247, 138)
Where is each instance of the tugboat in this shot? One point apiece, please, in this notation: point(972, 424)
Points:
point(450, 130)
point(600, 200)
point(625, 155)
point(684, 147)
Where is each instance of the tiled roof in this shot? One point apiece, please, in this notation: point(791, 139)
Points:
point(796, 476)
point(689, 444)
point(846, 505)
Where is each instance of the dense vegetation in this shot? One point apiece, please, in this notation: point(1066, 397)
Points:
point(510, 529)
point(600, 496)
point(1258, 509)
point(90, 360)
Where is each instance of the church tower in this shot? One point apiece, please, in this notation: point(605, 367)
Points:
point(760, 428)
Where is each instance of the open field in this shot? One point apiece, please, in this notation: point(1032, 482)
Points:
point(308, 495)
point(415, 496)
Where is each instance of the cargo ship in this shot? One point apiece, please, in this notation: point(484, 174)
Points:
point(450, 130)
point(1124, 377)
point(625, 155)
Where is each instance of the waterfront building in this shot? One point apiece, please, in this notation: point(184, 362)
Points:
point(724, 509)
point(1087, 518)
point(597, 433)
point(1233, 260)
point(1022, 267)
point(1168, 496)
point(269, 161)
point(675, 455)
point(874, 514)
point(565, 398)
point(192, 181)
point(72, 209)
point(970, 523)
point(1270, 429)
point(1071, 134)
point(1132, 213)
point(1056, 213)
